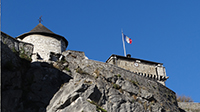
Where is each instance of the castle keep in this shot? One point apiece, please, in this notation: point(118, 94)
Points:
point(45, 42)
point(142, 67)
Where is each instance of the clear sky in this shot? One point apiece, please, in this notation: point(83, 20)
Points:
point(166, 31)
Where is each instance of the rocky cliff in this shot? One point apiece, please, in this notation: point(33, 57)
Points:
point(77, 84)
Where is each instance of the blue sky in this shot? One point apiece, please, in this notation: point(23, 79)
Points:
point(166, 31)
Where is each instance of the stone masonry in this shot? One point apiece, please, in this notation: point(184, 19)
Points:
point(45, 42)
point(189, 106)
point(23, 49)
point(142, 67)
point(43, 45)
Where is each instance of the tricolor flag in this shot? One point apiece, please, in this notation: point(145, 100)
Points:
point(128, 40)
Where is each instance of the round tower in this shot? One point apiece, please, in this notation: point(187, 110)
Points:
point(44, 41)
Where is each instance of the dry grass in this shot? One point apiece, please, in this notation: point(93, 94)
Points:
point(135, 97)
point(184, 98)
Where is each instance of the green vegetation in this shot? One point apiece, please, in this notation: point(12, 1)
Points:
point(66, 68)
point(98, 108)
point(14, 50)
point(80, 71)
point(116, 86)
point(5, 39)
point(23, 55)
point(134, 82)
point(61, 61)
point(118, 75)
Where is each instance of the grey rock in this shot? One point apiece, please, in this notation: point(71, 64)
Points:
point(129, 87)
point(145, 94)
point(93, 93)
point(80, 105)
point(65, 96)
point(88, 86)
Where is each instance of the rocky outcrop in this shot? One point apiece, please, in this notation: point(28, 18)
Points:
point(108, 88)
point(77, 84)
point(189, 106)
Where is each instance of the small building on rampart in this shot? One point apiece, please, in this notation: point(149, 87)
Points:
point(45, 42)
point(142, 67)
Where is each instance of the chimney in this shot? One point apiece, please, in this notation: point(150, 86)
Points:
point(128, 56)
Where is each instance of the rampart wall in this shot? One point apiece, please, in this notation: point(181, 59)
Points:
point(189, 106)
point(146, 70)
point(152, 70)
point(23, 49)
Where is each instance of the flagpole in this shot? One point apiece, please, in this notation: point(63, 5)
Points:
point(123, 43)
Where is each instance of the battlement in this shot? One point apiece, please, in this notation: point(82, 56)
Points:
point(142, 67)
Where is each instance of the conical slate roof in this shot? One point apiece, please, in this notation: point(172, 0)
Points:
point(42, 30)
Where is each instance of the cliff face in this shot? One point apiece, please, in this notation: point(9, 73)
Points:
point(96, 85)
point(77, 84)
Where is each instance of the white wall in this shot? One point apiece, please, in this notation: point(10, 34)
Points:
point(43, 45)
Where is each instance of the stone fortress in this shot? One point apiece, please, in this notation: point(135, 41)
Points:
point(48, 46)
point(145, 68)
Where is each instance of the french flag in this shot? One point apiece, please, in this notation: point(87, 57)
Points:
point(128, 40)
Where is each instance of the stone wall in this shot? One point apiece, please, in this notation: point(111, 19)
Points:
point(151, 70)
point(189, 106)
point(43, 45)
point(137, 67)
point(23, 49)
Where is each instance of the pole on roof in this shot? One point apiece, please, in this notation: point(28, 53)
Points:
point(123, 43)
point(40, 19)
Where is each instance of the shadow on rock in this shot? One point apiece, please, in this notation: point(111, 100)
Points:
point(31, 90)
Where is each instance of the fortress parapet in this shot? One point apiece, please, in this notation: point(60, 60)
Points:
point(141, 67)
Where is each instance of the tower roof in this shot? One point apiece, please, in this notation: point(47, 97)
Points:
point(42, 30)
